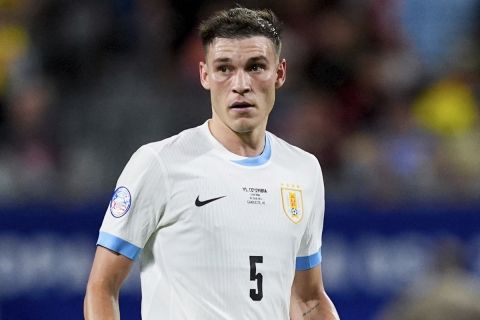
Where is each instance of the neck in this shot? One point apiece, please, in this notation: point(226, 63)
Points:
point(246, 144)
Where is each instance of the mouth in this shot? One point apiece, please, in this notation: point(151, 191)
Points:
point(241, 105)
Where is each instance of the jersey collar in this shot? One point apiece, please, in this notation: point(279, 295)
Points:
point(256, 161)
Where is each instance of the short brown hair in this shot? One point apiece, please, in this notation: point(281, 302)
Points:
point(241, 23)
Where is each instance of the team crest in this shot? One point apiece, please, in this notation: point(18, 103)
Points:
point(292, 203)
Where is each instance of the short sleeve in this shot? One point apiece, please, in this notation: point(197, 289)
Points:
point(309, 254)
point(137, 204)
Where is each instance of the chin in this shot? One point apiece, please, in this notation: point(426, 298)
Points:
point(246, 125)
point(242, 129)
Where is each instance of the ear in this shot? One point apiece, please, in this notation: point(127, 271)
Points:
point(281, 74)
point(203, 70)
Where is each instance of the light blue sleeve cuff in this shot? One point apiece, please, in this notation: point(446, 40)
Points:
point(308, 262)
point(118, 245)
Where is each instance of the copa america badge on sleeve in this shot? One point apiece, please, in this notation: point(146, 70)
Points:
point(121, 201)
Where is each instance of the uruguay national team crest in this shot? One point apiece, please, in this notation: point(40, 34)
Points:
point(121, 201)
point(292, 202)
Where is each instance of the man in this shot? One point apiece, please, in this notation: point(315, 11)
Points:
point(228, 217)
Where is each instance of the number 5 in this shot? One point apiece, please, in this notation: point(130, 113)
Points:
point(256, 294)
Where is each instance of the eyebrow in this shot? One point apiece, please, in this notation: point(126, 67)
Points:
point(260, 58)
point(257, 59)
point(220, 60)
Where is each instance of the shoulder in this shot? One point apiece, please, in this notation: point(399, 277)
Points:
point(285, 151)
point(185, 145)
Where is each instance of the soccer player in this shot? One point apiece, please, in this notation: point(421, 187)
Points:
point(225, 218)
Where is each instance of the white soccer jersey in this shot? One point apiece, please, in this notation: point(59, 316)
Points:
point(220, 235)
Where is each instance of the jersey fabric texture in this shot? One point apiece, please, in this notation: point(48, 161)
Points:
point(218, 236)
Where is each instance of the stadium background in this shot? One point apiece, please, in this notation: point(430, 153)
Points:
point(384, 92)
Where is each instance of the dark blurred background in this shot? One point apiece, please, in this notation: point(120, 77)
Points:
point(384, 92)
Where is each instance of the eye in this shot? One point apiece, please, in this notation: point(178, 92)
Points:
point(223, 68)
point(257, 67)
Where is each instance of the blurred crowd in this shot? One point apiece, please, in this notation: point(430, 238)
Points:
point(384, 92)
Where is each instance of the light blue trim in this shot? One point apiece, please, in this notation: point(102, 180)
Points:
point(308, 262)
point(118, 245)
point(260, 159)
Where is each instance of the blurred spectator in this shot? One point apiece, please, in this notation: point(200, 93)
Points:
point(313, 122)
point(393, 163)
point(14, 40)
point(447, 108)
point(28, 162)
point(449, 293)
point(437, 29)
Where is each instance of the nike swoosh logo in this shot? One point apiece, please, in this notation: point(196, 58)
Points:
point(199, 203)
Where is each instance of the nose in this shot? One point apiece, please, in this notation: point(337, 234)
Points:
point(241, 82)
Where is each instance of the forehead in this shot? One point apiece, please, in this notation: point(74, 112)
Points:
point(241, 48)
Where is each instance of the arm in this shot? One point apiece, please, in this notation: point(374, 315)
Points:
point(309, 299)
point(109, 270)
